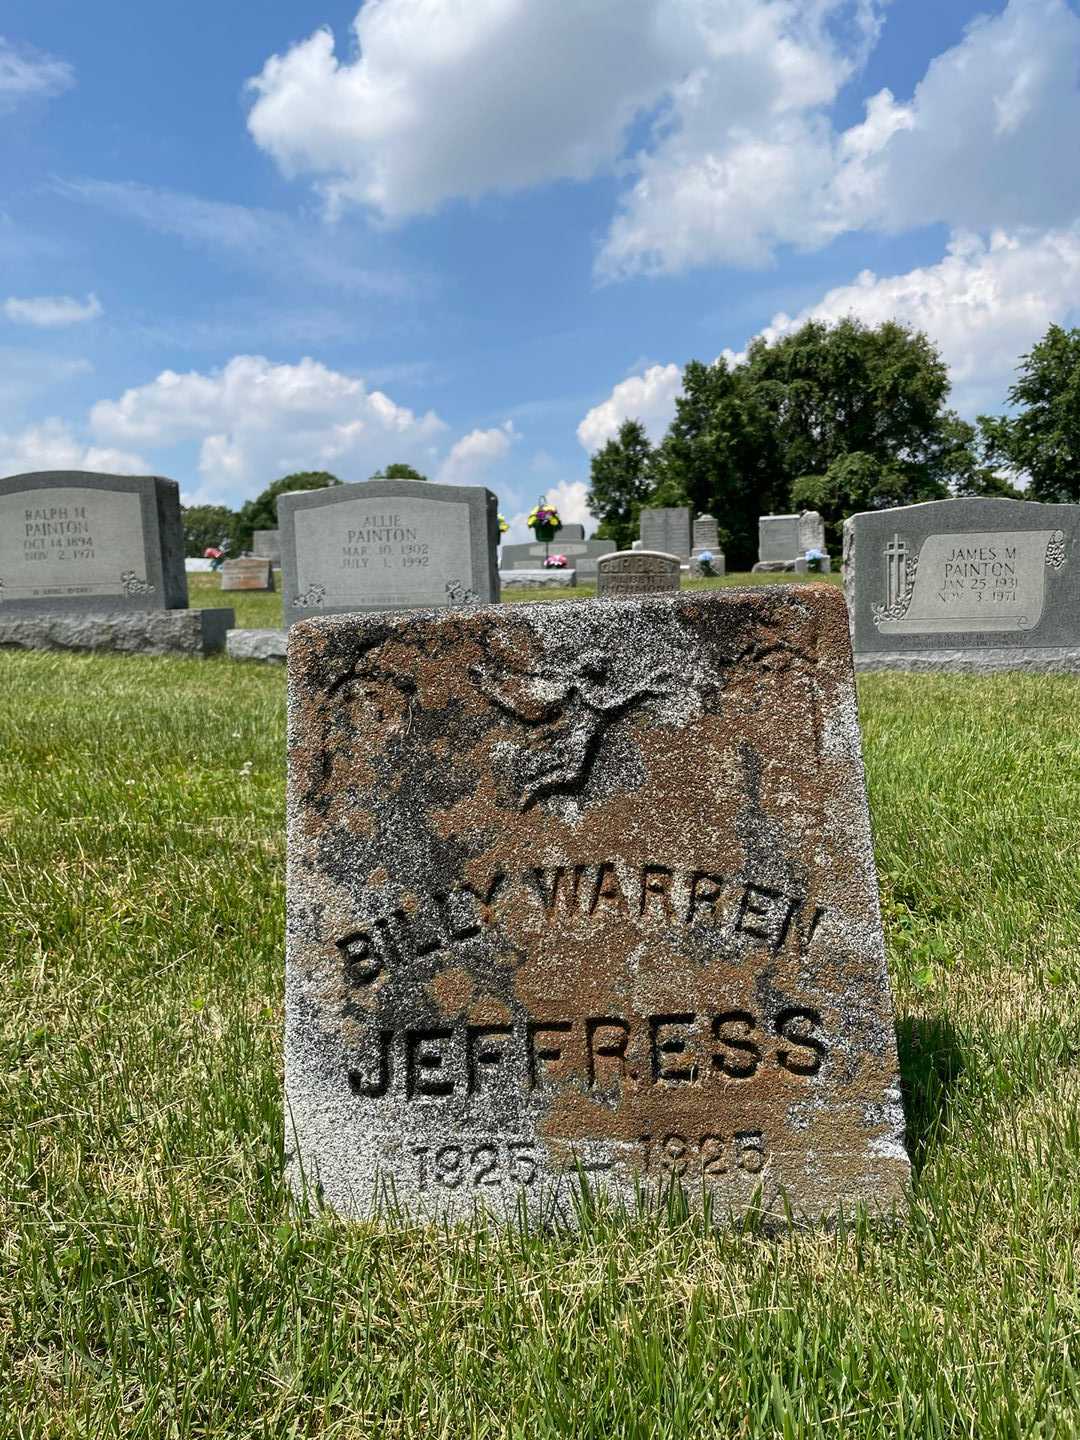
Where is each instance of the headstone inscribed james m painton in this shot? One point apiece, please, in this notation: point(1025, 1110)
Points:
point(77, 542)
point(972, 583)
point(586, 891)
point(666, 529)
point(637, 572)
point(247, 572)
point(387, 545)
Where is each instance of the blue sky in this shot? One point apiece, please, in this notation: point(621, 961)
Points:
point(237, 240)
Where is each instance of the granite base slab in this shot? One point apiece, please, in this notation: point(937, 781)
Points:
point(195, 633)
point(1041, 660)
point(269, 646)
point(539, 579)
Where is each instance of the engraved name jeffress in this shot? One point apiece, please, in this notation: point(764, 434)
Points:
point(586, 895)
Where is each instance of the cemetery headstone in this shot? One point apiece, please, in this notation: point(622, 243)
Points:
point(79, 549)
point(637, 572)
point(268, 544)
point(387, 545)
point(586, 891)
point(580, 555)
point(666, 529)
point(782, 539)
point(706, 534)
point(247, 572)
point(970, 584)
point(571, 531)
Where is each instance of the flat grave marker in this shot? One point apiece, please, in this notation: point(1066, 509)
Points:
point(586, 891)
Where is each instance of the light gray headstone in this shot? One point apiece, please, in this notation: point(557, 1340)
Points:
point(778, 537)
point(706, 534)
point(387, 545)
point(79, 542)
point(637, 572)
point(586, 891)
point(811, 532)
point(570, 532)
point(964, 576)
point(666, 529)
point(268, 543)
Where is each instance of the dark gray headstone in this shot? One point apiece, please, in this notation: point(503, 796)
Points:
point(666, 530)
point(387, 545)
point(965, 575)
point(637, 572)
point(586, 891)
point(78, 542)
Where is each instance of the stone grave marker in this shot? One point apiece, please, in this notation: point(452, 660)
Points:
point(571, 531)
point(267, 543)
point(666, 529)
point(387, 545)
point(586, 891)
point(92, 561)
point(976, 583)
point(706, 534)
point(247, 572)
point(637, 572)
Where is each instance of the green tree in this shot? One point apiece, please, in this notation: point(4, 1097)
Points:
point(397, 470)
point(261, 513)
point(206, 525)
point(719, 456)
point(1042, 439)
point(619, 483)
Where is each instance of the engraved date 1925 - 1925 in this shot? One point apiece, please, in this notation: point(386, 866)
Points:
point(670, 1155)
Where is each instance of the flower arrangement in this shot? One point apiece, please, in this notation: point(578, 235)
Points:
point(216, 555)
point(555, 562)
point(503, 527)
point(544, 520)
point(704, 560)
point(814, 559)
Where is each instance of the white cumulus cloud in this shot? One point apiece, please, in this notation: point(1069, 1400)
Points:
point(649, 397)
point(50, 312)
point(52, 446)
point(27, 74)
point(985, 304)
point(255, 420)
point(471, 456)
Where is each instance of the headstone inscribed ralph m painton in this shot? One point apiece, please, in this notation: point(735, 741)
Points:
point(972, 583)
point(586, 890)
point(247, 572)
point(79, 542)
point(387, 545)
point(637, 572)
point(666, 529)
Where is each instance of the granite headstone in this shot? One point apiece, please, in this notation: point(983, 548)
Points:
point(267, 543)
point(974, 583)
point(387, 545)
point(666, 529)
point(586, 891)
point(247, 572)
point(637, 572)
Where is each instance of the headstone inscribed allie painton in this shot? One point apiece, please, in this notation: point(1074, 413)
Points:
point(586, 891)
point(387, 545)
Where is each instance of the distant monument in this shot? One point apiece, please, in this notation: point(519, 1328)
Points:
point(784, 539)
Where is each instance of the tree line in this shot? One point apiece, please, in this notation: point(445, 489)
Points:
point(840, 418)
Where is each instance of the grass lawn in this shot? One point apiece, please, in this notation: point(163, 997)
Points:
point(155, 1281)
point(257, 609)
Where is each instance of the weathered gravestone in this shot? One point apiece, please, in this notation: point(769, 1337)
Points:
point(247, 572)
point(267, 543)
point(387, 545)
point(637, 572)
point(706, 533)
point(93, 561)
point(967, 584)
point(666, 529)
point(586, 891)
